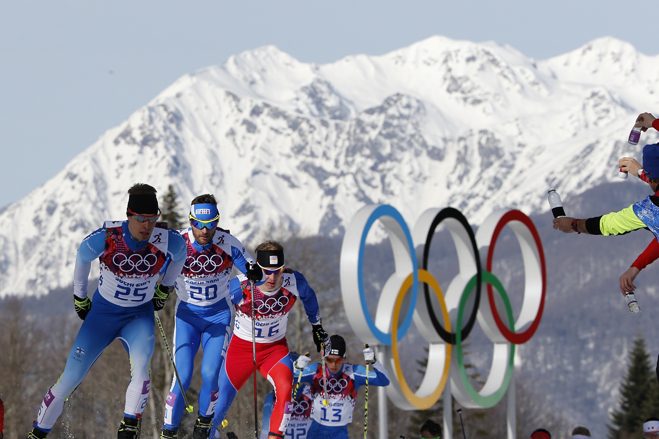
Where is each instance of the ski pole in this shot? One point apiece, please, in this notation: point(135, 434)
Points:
point(256, 415)
point(188, 408)
point(366, 401)
point(322, 360)
point(462, 425)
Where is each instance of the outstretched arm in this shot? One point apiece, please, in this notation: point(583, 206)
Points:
point(614, 223)
point(649, 255)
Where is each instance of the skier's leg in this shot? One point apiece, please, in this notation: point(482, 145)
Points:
point(278, 369)
point(234, 373)
point(213, 343)
point(186, 344)
point(138, 338)
point(96, 333)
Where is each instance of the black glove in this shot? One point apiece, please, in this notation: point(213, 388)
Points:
point(82, 306)
point(160, 297)
point(254, 272)
point(231, 435)
point(319, 336)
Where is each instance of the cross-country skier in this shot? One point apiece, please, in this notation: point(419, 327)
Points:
point(203, 311)
point(640, 215)
point(273, 301)
point(132, 254)
point(334, 390)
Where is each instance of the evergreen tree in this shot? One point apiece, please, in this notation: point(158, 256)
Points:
point(638, 395)
point(170, 209)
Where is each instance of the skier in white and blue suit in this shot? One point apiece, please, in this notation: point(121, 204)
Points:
point(331, 420)
point(203, 311)
point(132, 254)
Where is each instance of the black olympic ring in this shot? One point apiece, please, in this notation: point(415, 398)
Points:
point(446, 213)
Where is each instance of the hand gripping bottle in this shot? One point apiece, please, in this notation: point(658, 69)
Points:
point(555, 203)
point(621, 173)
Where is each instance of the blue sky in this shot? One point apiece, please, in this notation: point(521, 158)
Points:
point(70, 70)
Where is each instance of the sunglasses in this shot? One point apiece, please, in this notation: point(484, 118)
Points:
point(271, 272)
point(140, 218)
point(204, 224)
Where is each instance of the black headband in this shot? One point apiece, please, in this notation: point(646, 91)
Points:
point(143, 203)
point(270, 258)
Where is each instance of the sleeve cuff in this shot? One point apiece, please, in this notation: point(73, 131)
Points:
point(593, 226)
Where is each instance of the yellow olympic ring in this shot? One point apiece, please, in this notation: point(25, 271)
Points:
point(424, 397)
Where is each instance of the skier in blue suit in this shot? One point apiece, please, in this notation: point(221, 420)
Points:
point(132, 254)
point(334, 390)
point(203, 311)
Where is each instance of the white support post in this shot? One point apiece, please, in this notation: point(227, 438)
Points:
point(511, 415)
point(448, 411)
point(383, 414)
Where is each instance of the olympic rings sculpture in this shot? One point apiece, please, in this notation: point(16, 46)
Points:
point(411, 252)
point(137, 262)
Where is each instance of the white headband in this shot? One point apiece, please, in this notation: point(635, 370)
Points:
point(650, 426)
point(580, 436)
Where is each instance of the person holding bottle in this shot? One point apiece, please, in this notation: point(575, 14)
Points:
point(640, 215)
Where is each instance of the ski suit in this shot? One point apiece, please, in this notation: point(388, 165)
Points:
point(331, 421)
point(121, 308)
point(272, 355)
point(203, 314)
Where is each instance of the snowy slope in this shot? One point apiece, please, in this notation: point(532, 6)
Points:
point(289, 147)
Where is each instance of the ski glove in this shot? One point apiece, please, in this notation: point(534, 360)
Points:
point(81, 306)
point(160, 296)
point(369, 355)
point(254, 272)
point(301, 362)
point(319, 336)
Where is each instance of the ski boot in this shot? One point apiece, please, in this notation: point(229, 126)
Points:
point(168, 434)
point(36, 434)
point(202, 427)
point(129, 429)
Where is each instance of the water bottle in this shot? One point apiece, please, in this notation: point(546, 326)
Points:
point(555, 203)
point(634, 135)
point(632, 303)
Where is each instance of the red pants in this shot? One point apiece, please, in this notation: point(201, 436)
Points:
point(274, 364)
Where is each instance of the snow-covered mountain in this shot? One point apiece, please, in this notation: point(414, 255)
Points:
point(296, 148)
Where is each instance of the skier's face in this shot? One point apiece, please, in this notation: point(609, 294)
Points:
point(204, 235)
point(141, 226)
point(272, 279)
point(334, 363)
